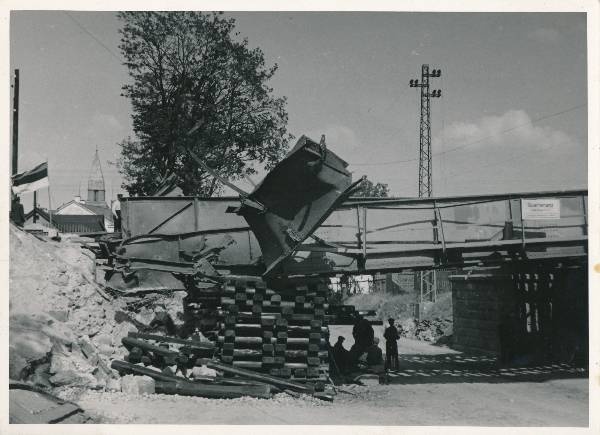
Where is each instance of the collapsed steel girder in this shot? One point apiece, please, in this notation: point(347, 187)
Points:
point(298, 195)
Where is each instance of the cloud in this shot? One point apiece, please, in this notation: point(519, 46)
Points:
point(507, 153)
point(544, 35)
point(513, 130)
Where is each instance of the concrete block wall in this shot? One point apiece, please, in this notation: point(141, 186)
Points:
point(479, 302)
point(541, 308)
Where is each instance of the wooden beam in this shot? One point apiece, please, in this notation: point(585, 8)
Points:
point(271, 380)
point(163, 339)
point(213, 391)
point(125, 367)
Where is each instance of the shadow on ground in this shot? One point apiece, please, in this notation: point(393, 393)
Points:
point(455, 368)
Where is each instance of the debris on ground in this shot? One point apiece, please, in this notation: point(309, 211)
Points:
point(184, 367)
point(67, 333)
point(64, 329)
point(137, 385)
point(30, 405)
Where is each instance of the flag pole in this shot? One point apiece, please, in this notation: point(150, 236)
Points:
point(49, 200)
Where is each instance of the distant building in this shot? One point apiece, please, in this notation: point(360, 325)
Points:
point(95, 205)
point(64, 223)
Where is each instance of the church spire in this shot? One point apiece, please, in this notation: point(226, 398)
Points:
point(96, 189)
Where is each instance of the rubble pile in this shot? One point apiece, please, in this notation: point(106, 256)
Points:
point(426, 330)
point(64, 329)
point(66, 332)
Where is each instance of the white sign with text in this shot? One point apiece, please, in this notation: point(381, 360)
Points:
point(540, 209)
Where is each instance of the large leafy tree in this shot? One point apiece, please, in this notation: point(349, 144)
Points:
point(368, 189)
point(195, 84)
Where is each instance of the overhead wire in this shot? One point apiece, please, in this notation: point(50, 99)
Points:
point(102, 44)
point(514, 157)
point(570, 109)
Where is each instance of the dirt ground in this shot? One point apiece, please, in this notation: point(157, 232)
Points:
point(435, 386)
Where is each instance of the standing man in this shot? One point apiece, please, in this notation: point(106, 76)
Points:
point(391, 346)
point(17, 214)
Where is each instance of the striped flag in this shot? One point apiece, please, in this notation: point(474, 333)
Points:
point(30, 181)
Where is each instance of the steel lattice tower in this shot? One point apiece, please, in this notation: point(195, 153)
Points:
point(425, 163)
point(427, 278)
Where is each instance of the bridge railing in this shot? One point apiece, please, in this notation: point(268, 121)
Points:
point(384, 234)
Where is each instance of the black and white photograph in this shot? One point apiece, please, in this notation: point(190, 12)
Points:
point(341, 218)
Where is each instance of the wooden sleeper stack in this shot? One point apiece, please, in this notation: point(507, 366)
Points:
point(283, 333)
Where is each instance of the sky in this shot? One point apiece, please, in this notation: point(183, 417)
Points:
point(512, 116)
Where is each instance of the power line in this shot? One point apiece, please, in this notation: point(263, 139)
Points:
point(478, 140)
point(495, 163)
point(92, 36)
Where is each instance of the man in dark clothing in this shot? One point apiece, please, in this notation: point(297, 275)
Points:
point(17, 214)
point(341, 355)
point(363, 334)
point(391, 346)
point(374, 354)
point(375, 361)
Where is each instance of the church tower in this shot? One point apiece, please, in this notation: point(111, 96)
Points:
point(96, 191)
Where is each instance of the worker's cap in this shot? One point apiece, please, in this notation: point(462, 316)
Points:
point(391, 320)
point(340, 338)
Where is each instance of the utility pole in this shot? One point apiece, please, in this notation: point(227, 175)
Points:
point(425, 164)
point(15, 132)
point(15, 129)
point(427, 281)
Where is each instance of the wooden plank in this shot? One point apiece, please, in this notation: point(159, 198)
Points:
point(279, 383)
point(252, 365)
point(288, 354)
point(125, 367)
point(247, 353)
point(129, 343)
point(247, 340)
point(163, 339)
point(247, 316)
point(213, 391)
point(297, 366)
point(189, 350)
point(292, 341)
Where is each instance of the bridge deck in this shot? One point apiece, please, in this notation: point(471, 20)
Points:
point(368, 235)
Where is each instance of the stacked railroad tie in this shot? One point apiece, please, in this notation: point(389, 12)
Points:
point(172, 363)
point(283, 333)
